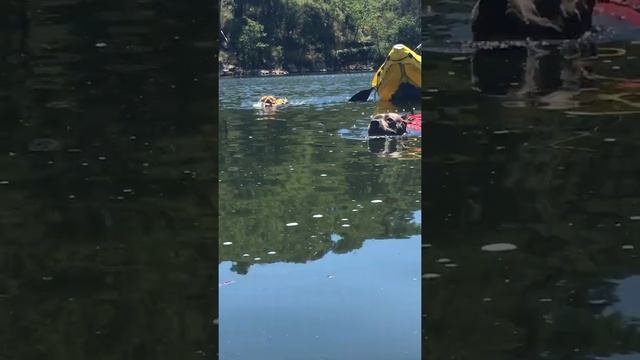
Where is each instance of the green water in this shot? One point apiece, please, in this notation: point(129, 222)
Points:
point(319, 229)
point(107, 188)
point(532, 151)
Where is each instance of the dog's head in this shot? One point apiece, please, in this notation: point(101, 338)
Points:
point(388, 124)
point(268, 100)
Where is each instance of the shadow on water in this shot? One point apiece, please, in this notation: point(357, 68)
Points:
point(107, 206)
point(531, 188)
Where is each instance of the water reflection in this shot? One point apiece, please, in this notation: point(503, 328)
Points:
point(627, 295)
point(105, 140)
point(319, 245)
point(361, 306)
point(529, 170)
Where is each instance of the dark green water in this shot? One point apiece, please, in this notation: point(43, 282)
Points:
point(107, 181)
point(535, 150)
point(319, 229)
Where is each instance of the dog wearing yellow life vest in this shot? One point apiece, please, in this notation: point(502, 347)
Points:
point(270, 101)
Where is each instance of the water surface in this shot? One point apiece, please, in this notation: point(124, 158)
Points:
point(319, 226)
point(107, 221)
point(531, 186)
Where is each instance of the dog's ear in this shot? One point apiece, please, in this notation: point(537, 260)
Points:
point(404, 116)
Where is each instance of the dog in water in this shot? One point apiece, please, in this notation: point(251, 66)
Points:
point(497, 20)
point(270, 101)
point(388, 124)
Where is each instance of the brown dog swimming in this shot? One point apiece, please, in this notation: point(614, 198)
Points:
point(270, 100)
point(388, 124)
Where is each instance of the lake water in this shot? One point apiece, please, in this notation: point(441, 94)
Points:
point(319, 227)
point(107, 189)
point(531, 172)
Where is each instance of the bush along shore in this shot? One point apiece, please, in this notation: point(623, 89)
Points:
point(233, 70)
point(281, 37)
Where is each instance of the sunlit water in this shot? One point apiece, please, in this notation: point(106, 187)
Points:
point(319, 226)
point(531, 185)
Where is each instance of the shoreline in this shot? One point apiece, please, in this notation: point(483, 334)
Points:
point(220, 76)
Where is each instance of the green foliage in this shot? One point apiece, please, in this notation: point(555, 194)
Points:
point(310, 34)
point(252, 48)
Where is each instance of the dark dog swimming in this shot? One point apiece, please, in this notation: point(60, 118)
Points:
point(388, 124)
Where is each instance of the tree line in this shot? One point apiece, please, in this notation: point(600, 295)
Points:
point(303, 34)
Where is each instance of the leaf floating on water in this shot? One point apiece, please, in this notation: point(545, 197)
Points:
point(499, 247)
point(292, 224)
